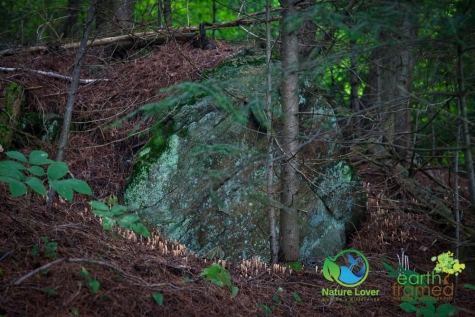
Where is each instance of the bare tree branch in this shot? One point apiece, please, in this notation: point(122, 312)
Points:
point(51, 74)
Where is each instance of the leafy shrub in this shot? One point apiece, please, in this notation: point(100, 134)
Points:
point(220, 276)
point(25, 171)
point(22, 172)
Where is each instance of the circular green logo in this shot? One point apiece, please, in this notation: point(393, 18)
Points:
point(348, 268)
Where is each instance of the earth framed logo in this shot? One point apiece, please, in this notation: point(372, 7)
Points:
point(349, 268)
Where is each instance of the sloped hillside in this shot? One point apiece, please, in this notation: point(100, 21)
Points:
point(62, 263)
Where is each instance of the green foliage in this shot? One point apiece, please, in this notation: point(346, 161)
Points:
point(25, 171)
point(296, 266)
point(50, 291)
point(296, 297)
point(220, 277)
point(158, 297)
point(267, 310)
point(187, 279)
point(34, 251)
point(469, 286)
point(74, 311)
point(48, 247)
point(91, 283)
point(118, 214)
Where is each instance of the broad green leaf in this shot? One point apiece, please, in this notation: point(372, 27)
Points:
point(102, 213)
point(74, 311)
point(63, 189)
point(267, 310)
point(447, 310)
point(107, 223)
point(50, 291)
point(36, 185)
point(17, 156)
point(36, 170)
point(99, 205)
point(57, 170)
point(408, 308)
point(139, 228)
point(234, 291)
point(83, 272)
point(127, 220)
point(94, 285)
point(217, 282)
point(297, 297)
point(158, 297)
point(10, 172)
point(16, 187)
point(118, 209)
point(211, 272)
point(469, 286)
point(39, 158)
point(12, 165)
point(78, 185)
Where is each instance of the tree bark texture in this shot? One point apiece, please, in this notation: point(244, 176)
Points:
point(389, 84)
point(270, 144)
point(289, 226)
point(465, 129)
point(71, 29)
point(114, 16)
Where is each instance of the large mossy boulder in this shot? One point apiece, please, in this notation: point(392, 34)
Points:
point(201, 178)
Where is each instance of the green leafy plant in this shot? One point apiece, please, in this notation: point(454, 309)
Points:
point(220, 276)
point(267, 310)
point(296, 297)
point(50, 248)
point(469, 286)
point(34, 250)
point(22, 172)
point(50, 291)
point(74, 311)
point(112, 214)
point(158, 297)
point(93, 284)
point(296, 266)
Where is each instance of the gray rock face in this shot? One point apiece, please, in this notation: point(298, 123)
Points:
point(202, 181)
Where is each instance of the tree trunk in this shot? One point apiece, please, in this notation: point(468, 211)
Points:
point(289, 226)
point(114, 17)
point(63, 139)
point(465, 129)
point(167, 12)
point(270, 144)
point(70, 28)
point(390, 82)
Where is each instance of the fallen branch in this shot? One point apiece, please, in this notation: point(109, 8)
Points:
point(51, 74)
point(87, 261)
point(141, 39)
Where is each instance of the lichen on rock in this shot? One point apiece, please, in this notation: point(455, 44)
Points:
point(203, 185)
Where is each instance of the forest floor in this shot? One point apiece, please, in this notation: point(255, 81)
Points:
point(62, 263)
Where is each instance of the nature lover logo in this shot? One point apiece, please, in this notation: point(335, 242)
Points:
point(349, 268)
